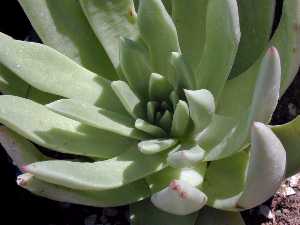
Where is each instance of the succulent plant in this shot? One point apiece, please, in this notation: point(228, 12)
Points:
point(164, 107)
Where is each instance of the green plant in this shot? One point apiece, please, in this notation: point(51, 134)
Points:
point(170, 103)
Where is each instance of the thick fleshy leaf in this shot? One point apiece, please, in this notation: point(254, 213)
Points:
point(149, 128)
point(111, 20)
point(179, 198)
point(287, 41)
point(181, 119)
point(184, 75)
point(264, 101)
point(266, 167)
point(201, 106)
point(58, 28)
point(120, 196)
point(128, 167)
point(156, 145)
point(210, 216)
point(159, 87)
point(151, 109)
point(186, 157)
point(222, 40)
point(225, 181)
point(194, 176)
point(190, 20)
point(49, 71)
point(134, 61)
point(128, 98)
point(145, 213)
point(56, 132)
point(289, 135)
point(98, 118)
point(256, 20)
point(20, 150)
point(165, 121)
point(159, 32)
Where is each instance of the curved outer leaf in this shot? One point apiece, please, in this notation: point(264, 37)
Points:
point(179, 198)
point(121, 196)
point(98, 118)
point(142, 213)
point(225, 181)
point(60, 75)
point(190, 20)
point(155, 146)
point(111, 20)
point(58, 22)
point(266, 167)
point(264, 101)
point(222, 34)
point(109, 174)
point(287, 41)
point(256, 20)
point(152, 19)
point(51, 130)
point(20, 150)
point(210, 216)
point(289, 135)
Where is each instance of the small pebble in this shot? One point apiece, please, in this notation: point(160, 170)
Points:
point(90, 220)
point(266, 212)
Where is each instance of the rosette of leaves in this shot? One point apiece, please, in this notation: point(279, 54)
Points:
point(163, 105)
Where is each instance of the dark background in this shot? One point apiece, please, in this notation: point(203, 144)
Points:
point(21, 207)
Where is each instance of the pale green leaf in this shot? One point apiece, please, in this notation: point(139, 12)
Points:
point(149, 128)
point(63, 26)
point(50, 71)
point(111, 20)
point(109, 198)
point(154, 146)
point(221, 45)
point(159, 87)
point(128, 167)
point(98, 118)
point(190, 20)
point(181, 119)
point(159, 32)
point(50, 130)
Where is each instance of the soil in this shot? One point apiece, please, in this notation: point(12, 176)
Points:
point(21, 207)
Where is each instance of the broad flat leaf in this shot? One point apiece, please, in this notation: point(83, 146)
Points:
point(120, 196)
point(179, 198)
point(128, 167)
point(111, 20)
point(20, 150)
point(222, 39)
point(56, 132)
point(287, 41)
point(63, 26)
point(225, 180)
point(97, 117)
point(128, 98)
point(159, 33)
point(144, 213)
point(289, 135)
point(49, 71)
point(266, 167)
point(201, 106)
point(134, 61)
point(256, 20)
point(264, 101)
point(210, 216)
point(40, 96)
point(190, 20)
point(181, 119)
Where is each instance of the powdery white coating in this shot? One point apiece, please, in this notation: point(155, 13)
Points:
point(179, 198)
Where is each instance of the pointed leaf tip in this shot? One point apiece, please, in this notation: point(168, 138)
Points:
point(179, 198)
point(266, 167)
